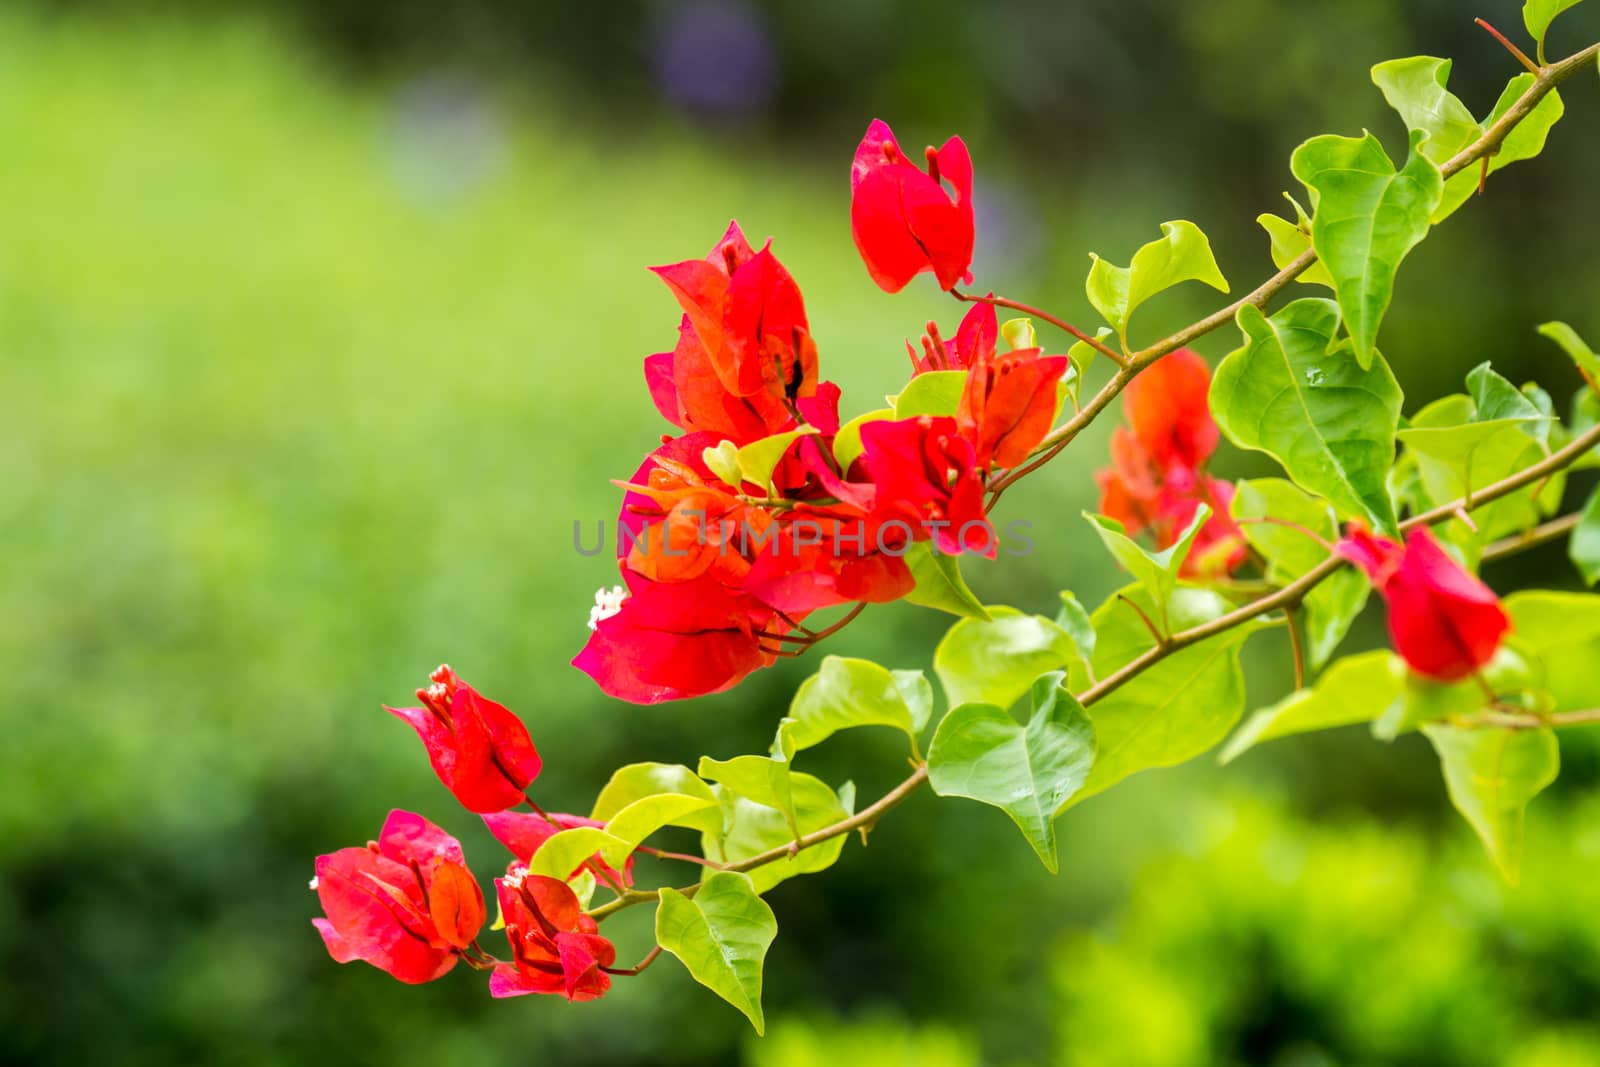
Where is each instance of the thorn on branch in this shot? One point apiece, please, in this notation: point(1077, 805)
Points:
point(1521, 56)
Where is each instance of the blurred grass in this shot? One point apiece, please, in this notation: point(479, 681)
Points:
point(307, 383)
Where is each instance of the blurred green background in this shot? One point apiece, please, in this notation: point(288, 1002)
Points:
point(321, 325)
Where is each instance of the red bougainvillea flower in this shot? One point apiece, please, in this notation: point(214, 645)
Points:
point(975, 339)
point(1442, 621)
point(405, 904)
point(747, 312)
point(813, 561)
point(522, 832)
point(689, 394)
point(1168, 409)
point(555, 947)
point(671, 641)
point(1157, 477)
point(927, 481)
point(693, 527)
point(903, 220)
point(1009, 404)
point(478, 748)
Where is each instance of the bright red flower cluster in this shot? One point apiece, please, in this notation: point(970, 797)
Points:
point(1157, 479)
point(1443, 622)
point(719, 571)
point(408, 905)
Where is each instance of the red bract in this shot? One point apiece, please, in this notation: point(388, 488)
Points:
point(478, 748)
point(1442, 621)
point(1009, 404)
point(405, 904)
point(748, 314)
point(1157, 477)
point(555, 947)
point(670, 641)
point(1168, 409)
point(689, 394)
point(903, 220)
point(522, 832)
point(814, 561)
point(927, 483)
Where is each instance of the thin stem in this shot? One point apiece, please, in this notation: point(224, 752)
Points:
point(841, 624)
point(1296, 648)
point(1515, 721)
point(1522, 57)
point(1269, 520)
point(636, 969)
point(1093, 342)
point(1149, 624)
point(1544, 533)
point(683, 857)
point(864, 819)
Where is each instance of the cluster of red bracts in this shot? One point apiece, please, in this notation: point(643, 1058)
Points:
point(408, 905)
point(718, 573)
point(1157, 479)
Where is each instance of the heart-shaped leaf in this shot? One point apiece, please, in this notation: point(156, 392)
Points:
point(1329, 422)
point(1029, 772)
point(1365, 217)
point(1182, 254)
point(721, 934)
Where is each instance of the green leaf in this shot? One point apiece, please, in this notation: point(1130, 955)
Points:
point(1415, 87)
point(1028, 772)
point(1183, 254)
point(1019, 333)
point(1575, 348)
point(1330, 607)
point(847, 447)
point(1178, 708)
point(765, 780)
point(1584, 548)
point(758, 459)
point(723, 461)
point(1074, 619)
point(934, 392)
point(1491, 775)
point(749, 828)
point(1155, 571)
point(1366, 218)
point(1456, 458)
point(1355, 689)
point(1082, 353)
point(1527, 139)
point(1291, 240)
point(565, 852)
point(996, 662)
point(1513, 673)
point(721, 934)
point(939, 583)
point(646, 815)
point(638, 781)
point(1538, 14)
point(1329, 422)
point(1565, 629)
point(855, 692)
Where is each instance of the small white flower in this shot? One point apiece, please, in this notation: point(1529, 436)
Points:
point(515, 876)
point(607, 602)
point(314, 883)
